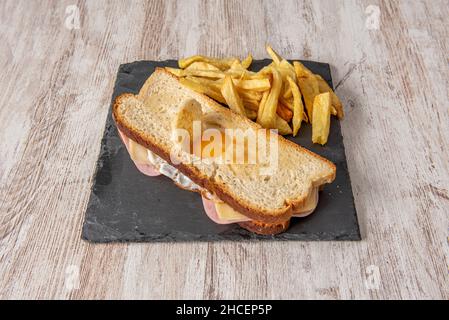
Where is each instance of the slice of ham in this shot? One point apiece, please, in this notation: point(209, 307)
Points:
point(146, 169)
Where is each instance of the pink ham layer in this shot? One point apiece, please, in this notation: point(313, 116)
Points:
point(209, 205)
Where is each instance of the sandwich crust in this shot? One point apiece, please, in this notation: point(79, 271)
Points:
point(266, 229)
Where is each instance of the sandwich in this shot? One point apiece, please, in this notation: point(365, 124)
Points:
point(245, 174)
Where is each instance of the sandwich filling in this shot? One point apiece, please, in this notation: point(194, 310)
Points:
point(217, 210)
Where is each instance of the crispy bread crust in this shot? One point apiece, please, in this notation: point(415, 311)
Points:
point(265, 228)
point(271, 222)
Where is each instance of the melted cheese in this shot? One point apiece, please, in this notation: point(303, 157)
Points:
point(309, 204)
point(227, 213)
point(142, 155)
point(138, 153)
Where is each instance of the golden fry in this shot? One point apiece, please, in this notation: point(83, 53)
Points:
point(250, 103)
point(261, 106)
point(298, 108)
point(276, 58)
point(268, 119)
point(249, 75)
point(333, 110)
point(175, 71)
point(287, 65)
point(287, 102)
point(201, 88)
point(213, 74)
point(250, 84)
point(282, 126)
point(308, 85)
point(301, 70)
point(199, 65)
point(321, 118)
point(337, 106)
point(284, 112)
point(253, 84)
point(237, 65)
point(231, 96)
point(287, 93)
point(286, 69)
point(221, 64)
point(306, 118)
point(250, 94)
point(246, 63)
point(265, 71)
point(251, 114)
point(213, 84)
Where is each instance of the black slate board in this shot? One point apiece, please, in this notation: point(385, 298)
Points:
point(126, 205)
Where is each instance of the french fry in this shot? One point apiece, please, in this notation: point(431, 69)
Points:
point(213, 84)
point(250, 103)
point(287, 93)
point(337, 106)
point(284, 112)
point(285, 86)
point(237, 65)
point(213, 74)
point(321, 118)
point(301, 70)
point(221, 64)
point(249, 75)
point(286, 69)
point(198, 87)
point(251, 114)
point(306, 118)
point(231, 96)
point(282, 126)
point(175, 71)
point(250, 94)
point(287, 102)
point(253, 84)
point(261, 106)
point(268, 119)
point(287, 65)
point(199, 65)
point(308, 85)
point(276, 58)
point(246, 63)
point(298, 108)
point(333, 110)
point(286, 72)
point(265, 71)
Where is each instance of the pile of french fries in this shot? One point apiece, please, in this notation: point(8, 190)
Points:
point(274, 97)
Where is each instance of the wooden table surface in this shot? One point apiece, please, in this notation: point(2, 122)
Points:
point(390, 65)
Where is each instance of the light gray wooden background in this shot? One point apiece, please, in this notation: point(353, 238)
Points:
point(56, 83)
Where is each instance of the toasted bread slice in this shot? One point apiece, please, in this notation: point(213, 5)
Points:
point(269, 200)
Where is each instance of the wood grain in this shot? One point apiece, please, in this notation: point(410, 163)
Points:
point(56, 87)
